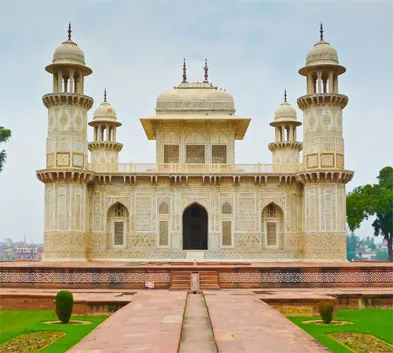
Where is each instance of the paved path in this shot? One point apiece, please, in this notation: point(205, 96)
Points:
point(243, 323)
point(197, 334)
point(151, 323)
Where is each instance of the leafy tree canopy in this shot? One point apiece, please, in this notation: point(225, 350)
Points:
point(374, 200)
point(4, 136)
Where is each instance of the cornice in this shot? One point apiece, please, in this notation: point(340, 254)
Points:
point(53, 99)
point(65, 176)
point(294, 145)
point(331, 99)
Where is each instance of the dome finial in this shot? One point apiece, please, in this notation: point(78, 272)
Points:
point(184, 71)
point(105, 95)
point(321, 31)
point(206, 72)
point(285, 95)
point(69, 30)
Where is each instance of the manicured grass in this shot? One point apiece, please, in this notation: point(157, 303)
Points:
point(16, 322)
point(378, 323)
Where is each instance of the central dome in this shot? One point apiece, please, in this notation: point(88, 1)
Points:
point(194, 97)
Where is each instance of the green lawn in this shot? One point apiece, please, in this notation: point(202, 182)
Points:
point(378, 323)
point(16, 322)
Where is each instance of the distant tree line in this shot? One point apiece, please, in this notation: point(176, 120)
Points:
point(354, 242)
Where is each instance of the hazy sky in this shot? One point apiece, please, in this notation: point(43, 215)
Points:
point(136, 49)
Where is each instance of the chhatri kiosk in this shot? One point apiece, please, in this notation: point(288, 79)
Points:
point(195, 202)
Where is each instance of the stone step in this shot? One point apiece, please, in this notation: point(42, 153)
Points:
point(181, 280)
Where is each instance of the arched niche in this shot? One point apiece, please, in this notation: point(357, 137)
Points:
point(195, 227)
point(272, 226)
point(117, 225)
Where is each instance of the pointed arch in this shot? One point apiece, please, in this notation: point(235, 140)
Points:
point(226, 208)
point(163, 208)
point(273, 226)
point(195, 227)
point(117, 225)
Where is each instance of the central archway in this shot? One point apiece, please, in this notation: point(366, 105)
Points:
point(195, 221)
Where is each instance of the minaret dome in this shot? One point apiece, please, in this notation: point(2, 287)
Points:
point(69, 54)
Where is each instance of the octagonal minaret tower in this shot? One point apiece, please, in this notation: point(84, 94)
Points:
point(104, 149)
point(66, 175)
point(286, 148)
point(323, 174)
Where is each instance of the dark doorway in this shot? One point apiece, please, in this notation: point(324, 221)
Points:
point(195, 228)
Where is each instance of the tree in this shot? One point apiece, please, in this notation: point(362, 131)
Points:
point(4, 136)
point(353, 242)
point(374, 200)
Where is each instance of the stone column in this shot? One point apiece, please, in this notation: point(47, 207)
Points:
point(310, 84)
point(59, 82)
point(319, 81)
point(331, 82)
point(335, 84)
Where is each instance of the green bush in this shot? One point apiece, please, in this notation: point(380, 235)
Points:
point(326, 311)
point(64, 304)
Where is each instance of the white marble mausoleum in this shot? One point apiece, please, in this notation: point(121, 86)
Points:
point(195, 202)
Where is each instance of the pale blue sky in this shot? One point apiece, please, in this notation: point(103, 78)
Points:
point(136, 48)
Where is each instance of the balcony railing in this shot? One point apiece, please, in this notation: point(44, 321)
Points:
point(195, 168)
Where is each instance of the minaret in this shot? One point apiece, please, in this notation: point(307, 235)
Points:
point(323, 175)
point(104, 149)
point(66, 175)
point(286, 148)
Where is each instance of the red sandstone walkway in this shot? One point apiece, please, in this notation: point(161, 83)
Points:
point(242, 323)
point(151, 323)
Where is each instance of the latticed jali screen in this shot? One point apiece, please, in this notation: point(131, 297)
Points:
point(226, 233)
point(171, 154)
point(226, 208)
point(219, 153)
point(195, 154)
point(271, 233)
point(164, 234)
point(119, 233)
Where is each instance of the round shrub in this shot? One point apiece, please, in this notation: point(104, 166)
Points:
point(64, 304)
point(326, 311)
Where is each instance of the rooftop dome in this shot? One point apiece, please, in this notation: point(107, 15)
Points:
point(193, 97)
point(285, 112)
point(68, 53)
point(322, 53)
point(105, 112)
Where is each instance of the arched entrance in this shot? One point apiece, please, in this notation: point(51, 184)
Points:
point(195, 223)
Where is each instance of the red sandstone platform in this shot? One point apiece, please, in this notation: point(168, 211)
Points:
point(204, 264)
point(205, 275)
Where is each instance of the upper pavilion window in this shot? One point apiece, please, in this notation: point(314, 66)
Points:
point(219, 154)
point(195, 154)
point(171, 153)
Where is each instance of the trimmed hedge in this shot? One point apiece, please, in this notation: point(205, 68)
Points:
point(326, 311)
point(64, 305)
